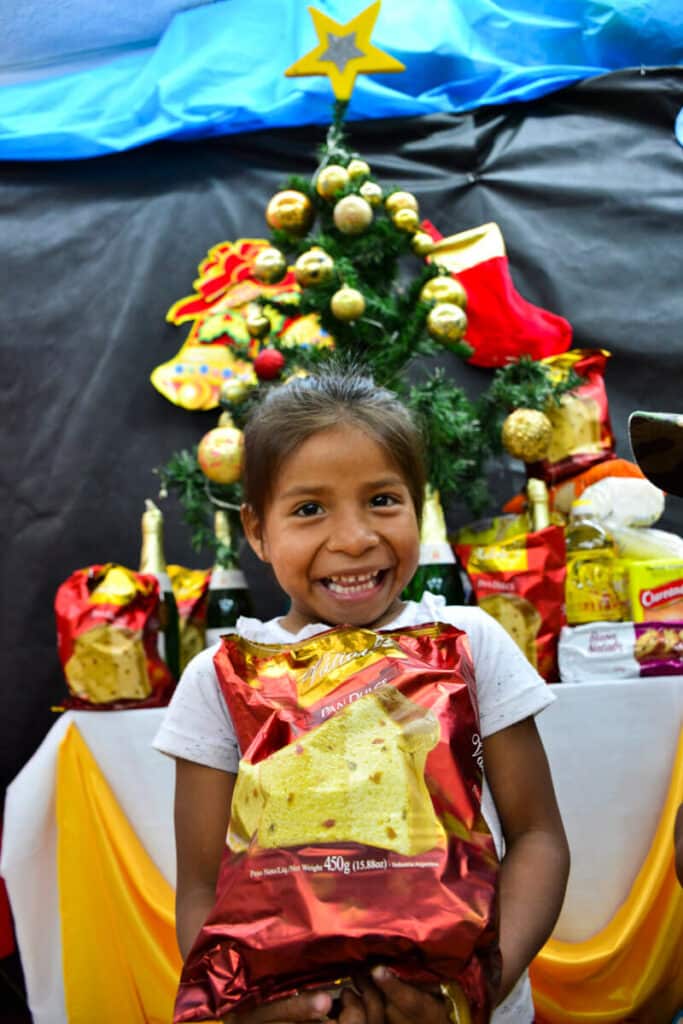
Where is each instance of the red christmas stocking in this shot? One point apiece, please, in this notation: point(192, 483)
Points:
point(502, 326)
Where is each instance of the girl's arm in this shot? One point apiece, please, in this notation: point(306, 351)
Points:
point(202, 811)
point(678, 844)
point(535, 867)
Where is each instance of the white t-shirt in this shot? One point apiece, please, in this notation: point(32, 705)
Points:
point(197, 725)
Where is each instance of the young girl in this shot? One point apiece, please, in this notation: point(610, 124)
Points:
point(334, 482)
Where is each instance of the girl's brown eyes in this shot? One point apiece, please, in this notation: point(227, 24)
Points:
point(309, 508)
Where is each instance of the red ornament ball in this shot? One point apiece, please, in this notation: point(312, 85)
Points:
point(268, 364)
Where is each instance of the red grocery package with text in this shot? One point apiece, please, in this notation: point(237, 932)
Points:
point(356, 836)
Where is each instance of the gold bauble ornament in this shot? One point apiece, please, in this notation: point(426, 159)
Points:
point(400, 201)
point(298, 374)
point(406, 219)
point(371, 192)
point(270, 265)
point(347, 304)
point(527, 434)
point(352, 215)
point(446, 322)
point(313, 267)
point(220, 454)
point(257, 323)
point(358, 169)
point(444, 288)
point(290, 211)
point(422, 243)
point(330, 180)
point(236, 389)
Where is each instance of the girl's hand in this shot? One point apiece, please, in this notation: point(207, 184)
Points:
point(307, 1006)
point(387, 1000)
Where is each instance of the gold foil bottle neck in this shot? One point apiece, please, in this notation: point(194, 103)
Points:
point(152, 558)
point(537, 496)
point(433, 528)
point(221, 526)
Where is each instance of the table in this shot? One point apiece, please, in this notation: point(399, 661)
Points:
point(611, 748)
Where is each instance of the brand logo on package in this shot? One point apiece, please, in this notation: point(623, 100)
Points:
point(661, 595)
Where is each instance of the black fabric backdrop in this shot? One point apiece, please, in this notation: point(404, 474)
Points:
point(586, 185)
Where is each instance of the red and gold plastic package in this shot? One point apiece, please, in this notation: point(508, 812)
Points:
point(356, 836)
point(582, 432)
point(521, 583)
point(190, 590)
point(107, 639)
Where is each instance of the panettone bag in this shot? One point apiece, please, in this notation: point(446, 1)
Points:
point(356, 836)
point(107, 639)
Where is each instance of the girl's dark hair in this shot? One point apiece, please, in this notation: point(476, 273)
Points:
point(292, 412)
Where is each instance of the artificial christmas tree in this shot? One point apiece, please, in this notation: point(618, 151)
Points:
point(351, 268)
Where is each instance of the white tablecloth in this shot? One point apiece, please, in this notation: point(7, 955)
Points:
point(610, 745)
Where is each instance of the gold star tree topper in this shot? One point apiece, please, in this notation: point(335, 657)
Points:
point(344, 51)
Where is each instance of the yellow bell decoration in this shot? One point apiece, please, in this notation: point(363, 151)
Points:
point(358, 169)
point(347, 304)
point(258, 324)
point(446, 322)
point(352, 215)
point(313, 267)
point(371, 192)
point(330, 180)
point(400, 201)
point(406, 219)
point(527, 434)
point(421, 243)
point(291, 211)
point(220, 454)
point(270, 265)
point(444, 288)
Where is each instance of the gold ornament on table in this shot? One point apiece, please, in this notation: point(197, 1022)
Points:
point(400, 201)
point(347, 304)
point(220, 454)
point(258, 324)
point(290, 211)
point(358, 169)
point(352, 215)
point(371, 192)
point(331, 180)
point(313, 267)
point(270, 265)
point(527, 434)
point(444, 288)
point(344, 51)
point(421, 243)
point(406, 219)
point(446, 323)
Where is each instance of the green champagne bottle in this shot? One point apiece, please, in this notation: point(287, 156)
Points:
point(438, 570)
point(153, 562)
point(228, 593)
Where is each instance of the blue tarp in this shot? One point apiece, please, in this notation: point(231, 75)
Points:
point(219, 69)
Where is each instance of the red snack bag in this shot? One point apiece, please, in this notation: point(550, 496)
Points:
point(107, 639)
point(520, 582)
point(356, 836)
point(582, 432)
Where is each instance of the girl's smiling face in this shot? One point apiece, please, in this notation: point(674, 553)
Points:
point(340, 531)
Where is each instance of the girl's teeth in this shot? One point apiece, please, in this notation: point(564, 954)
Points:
point(351, 584)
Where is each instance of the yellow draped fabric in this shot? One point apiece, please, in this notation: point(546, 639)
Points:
point(120, 958)
point(633, 968)
point(121, 962)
